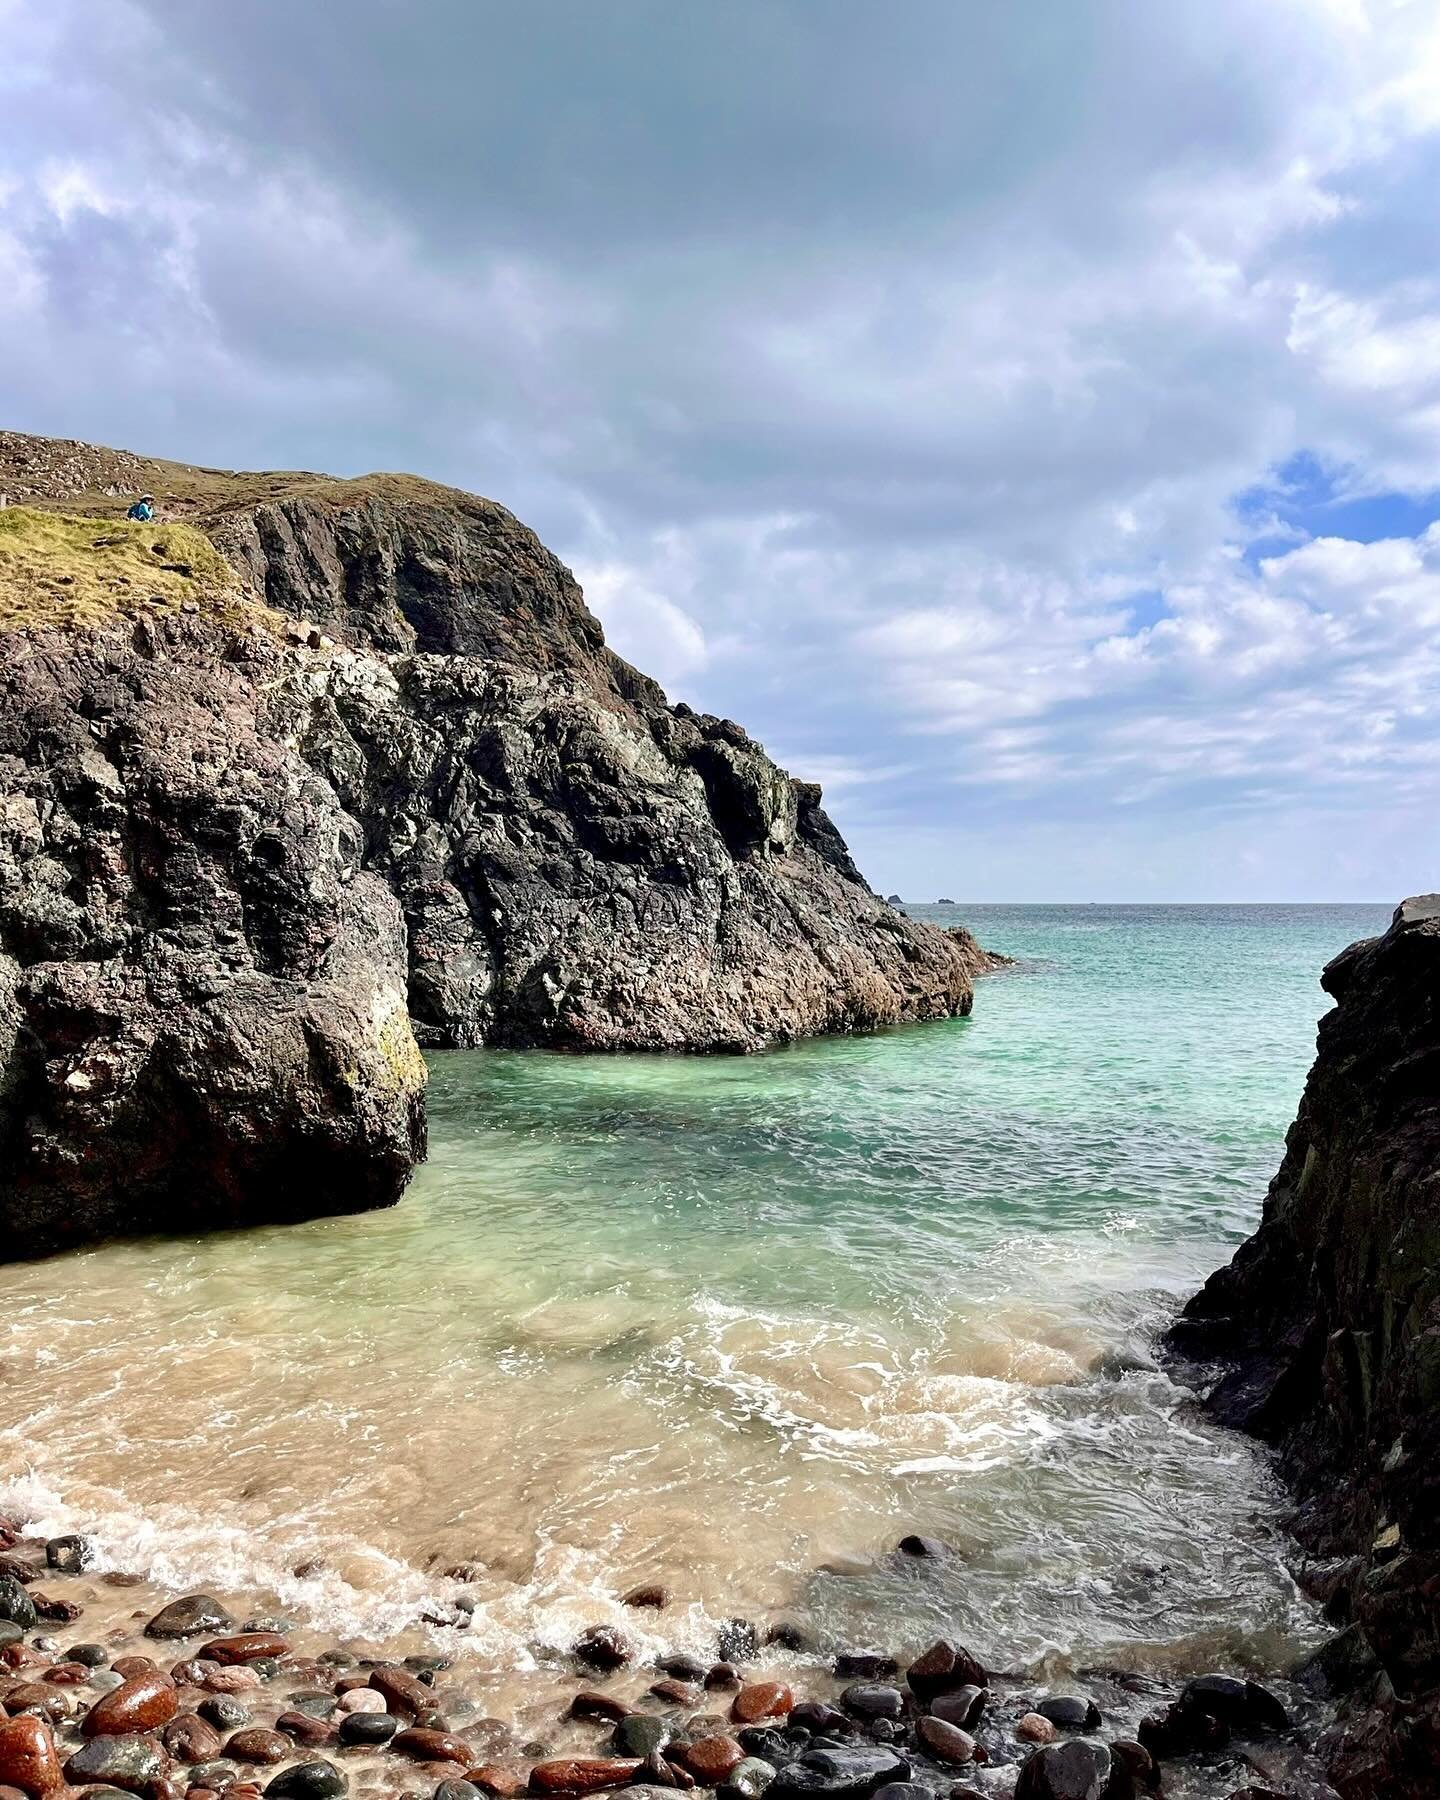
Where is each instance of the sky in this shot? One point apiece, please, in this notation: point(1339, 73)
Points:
point(1024, 419)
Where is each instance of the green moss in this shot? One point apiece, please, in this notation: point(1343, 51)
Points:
point(401, 1053)
point(57, 569)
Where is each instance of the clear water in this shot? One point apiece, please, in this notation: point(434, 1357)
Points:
point(737, 1325)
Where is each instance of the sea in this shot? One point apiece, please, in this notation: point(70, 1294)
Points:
point(737, 1326)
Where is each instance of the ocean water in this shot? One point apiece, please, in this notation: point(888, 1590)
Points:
point(737, 1325)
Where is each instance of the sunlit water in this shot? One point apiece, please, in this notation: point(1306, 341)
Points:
point(737, 1325)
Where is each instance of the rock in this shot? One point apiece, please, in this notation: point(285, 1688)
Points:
point(963, 1707)
point(423, 1745)
point(317, 1780)
point(814, 1715)
point(140, 1704)
point(131, 1668)
point(787, 1636)
point(946, 1743)
point(1070, 1712)
point(640, 1736)
point(69, 1554)
point(737, 1641)
point(93, 1656)
point(1239, 1703)
point(651, 1594)
point(28, 1758)
point(1134, 1761)
point(224, 1712)
point(657, 1772)
point(1179, 1731)
point(761, 1700)
point(683, 1668)
point(581, 1774)
point(492, 1778)
point(189, 1617)
point(403, 1692)
point(588, 1704)
point(368, 1728)
point(1307, 1323)
point(1073, 1771)
point(675, 1693)
point(748, 1780)
point(870, 1700)
point(305, 1728)
point(10, 1633)
point(942, 1669)
point(1035, 1728)
point(364, 1699)
point(238, 1680)
point(257, 1746)
point(841, 1774)
point(924, 1549)
point(770, 1743)
point(316, 1702)
point(16, 1606)
point(245, 1647)
point(865, 1665)
point(458, 1790)
point(723, 1678)
point(602, 1647)
point(709, 1759)
point(123, 1762)
point(191, 1739)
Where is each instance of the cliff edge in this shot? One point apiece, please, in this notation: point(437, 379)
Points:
point(368, 776)
point(1327, 1329)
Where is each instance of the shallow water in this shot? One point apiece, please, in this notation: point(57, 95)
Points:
point(737, 1325)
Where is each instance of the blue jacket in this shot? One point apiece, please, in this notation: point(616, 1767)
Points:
point(142, 510)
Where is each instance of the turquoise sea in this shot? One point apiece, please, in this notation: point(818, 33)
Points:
point(738, 1325)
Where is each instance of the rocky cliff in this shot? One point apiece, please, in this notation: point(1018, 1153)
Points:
point(1326, 1327)
point(375, 767)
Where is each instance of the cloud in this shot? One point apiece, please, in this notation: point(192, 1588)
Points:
point(914, 385)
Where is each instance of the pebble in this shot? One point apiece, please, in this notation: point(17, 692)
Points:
point(602, 1647)
point(28, 1758)
point(368, 1728)
point(943, 1668)
point(432, 1746)
point(305, 1728)
point(318, 1780)
point(365, 1699)
point(651, 1594)
point(709, 1759)
point(123, 1762)
point(492, 1779)
point(138, 1704)
point(190, 1739)
point(258, 1746)
point(1034, 1728)
point(224, 1712)
point(815, 1715)
point(927, 1549)
point(1236, 1702)
point(762, 1700)
point(840, 1773)
point(456, 1790)
point(69, 1554)
point(16, 1606)
point(748, 1780)
point(238, 1680)
point(1073, 1771)
point(676, 1693)
point(723, 1678)
point(129, 1668)
point(1070, 1712)
point(962, 1708)
point(581, 1774)
point(870, 1700)
point(188, 1617)
point(403, 1692)
point(245, 1647)
point(641, 1735)
point(946, 1742)
point(683, 1668)
point(865, 1665)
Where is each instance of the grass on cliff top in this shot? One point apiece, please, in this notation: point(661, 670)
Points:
point(60, 570)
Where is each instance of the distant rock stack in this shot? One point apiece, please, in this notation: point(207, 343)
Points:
point(1327, 1327)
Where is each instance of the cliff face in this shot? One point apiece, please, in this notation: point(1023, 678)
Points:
point(399, 773)
point(1327, 1323)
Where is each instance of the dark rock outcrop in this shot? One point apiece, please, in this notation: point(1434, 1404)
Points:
point(1327, 1325)
point(402, 774)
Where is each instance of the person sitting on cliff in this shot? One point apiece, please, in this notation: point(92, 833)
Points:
point(143, 510)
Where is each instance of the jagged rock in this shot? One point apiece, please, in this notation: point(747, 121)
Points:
point(397, 770)
point(1327, 1324)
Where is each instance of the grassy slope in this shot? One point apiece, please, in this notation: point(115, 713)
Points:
point(61, 570)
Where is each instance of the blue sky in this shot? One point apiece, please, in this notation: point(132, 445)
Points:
point(1026, 420)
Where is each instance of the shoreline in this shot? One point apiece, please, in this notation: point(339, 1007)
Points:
point(768, 1694)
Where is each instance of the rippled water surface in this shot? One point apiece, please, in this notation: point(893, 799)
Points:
point(737, 1325)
